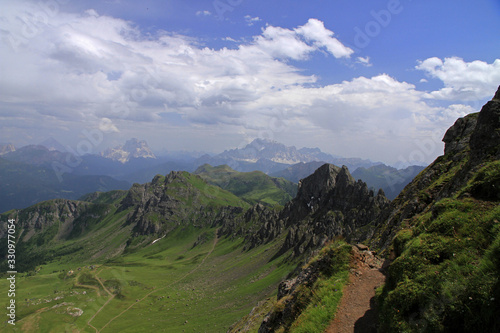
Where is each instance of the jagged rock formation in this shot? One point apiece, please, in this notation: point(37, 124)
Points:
point(66, 218)
point(40, 217)
point(329, 203)
point(133, 148)
point(167, 202)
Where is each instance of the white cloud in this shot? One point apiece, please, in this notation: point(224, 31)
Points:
point(378, 117)
point(90, 70)
point(314, 30)
point(203, 13)
point(283, 43)
point(365, 61)
point(466, 81)
point(251, 20)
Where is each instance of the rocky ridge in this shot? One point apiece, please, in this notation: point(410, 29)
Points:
point(470, 143)
point(331, 203)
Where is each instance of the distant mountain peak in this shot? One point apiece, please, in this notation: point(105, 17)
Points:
point(53, 145)
point(6, 148)
point(132, 148)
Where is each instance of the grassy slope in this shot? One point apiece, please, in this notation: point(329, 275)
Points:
point(168, 286)
point(183, 288)
point(312, 305)
point(254, 187)
point(446, 274)
point(325, 294)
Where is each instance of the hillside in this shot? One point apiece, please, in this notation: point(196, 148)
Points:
point(443, 232)
point(254, 187)
point(24, 185)
point(178, 242)
point(389, 179)
point(441, 241)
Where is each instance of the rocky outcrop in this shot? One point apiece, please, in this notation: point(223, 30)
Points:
point(457, 137)
point(64, 213)
point(330, 203)
point(485, 140)
point(172, 200)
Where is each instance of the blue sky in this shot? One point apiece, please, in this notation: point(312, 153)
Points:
point(375, 79)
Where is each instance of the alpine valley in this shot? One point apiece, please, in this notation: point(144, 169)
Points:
point(216, 246)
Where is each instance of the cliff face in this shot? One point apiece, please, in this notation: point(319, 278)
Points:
point(60, 212)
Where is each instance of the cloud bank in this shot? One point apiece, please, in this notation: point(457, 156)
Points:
point(88, 70)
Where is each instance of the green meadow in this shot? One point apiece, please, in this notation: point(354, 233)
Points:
point(168, 286)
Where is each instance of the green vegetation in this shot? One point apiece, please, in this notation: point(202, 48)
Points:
point(253, 187)
point(486, 183)
point(312, 304)
point(84, 269)
point(446, 276)
point(165, 287)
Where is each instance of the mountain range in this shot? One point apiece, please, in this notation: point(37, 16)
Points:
point(133, 148)
point(119, 167)
point(209, 251)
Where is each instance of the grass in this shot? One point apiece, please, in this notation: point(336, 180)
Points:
point(325, 299)
point(312, 305)
point(253, 187)
point(175, 283)
point(447, 273)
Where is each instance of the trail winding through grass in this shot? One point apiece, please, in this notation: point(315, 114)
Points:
point(216, 239)
point(102, 307)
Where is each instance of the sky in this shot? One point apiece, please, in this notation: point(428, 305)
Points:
point(381, 80)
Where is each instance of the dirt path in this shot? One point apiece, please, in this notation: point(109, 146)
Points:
point(156, 290)
point(356, 311)
point(111, 296)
